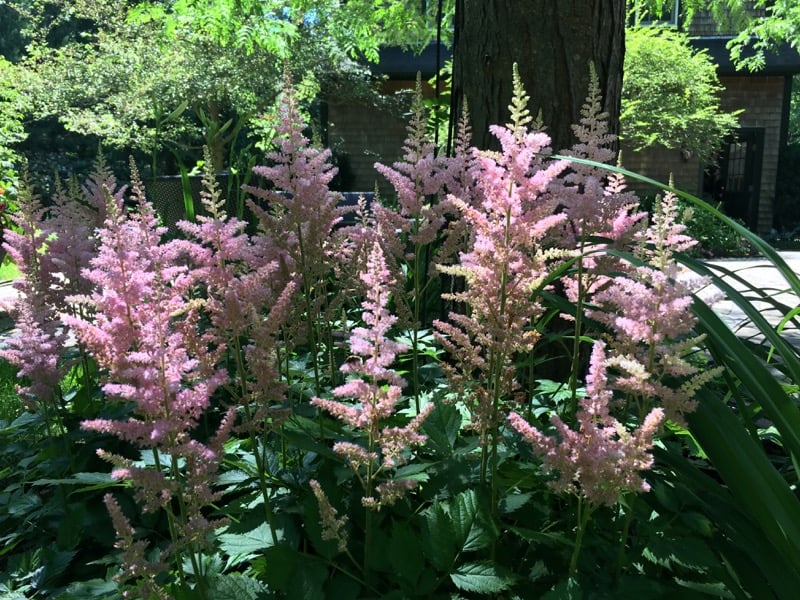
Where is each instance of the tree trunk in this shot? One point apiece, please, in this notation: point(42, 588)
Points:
point(553, 42)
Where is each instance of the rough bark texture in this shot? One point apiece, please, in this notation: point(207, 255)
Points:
point(553, 42)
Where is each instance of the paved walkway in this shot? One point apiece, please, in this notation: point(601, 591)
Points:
point(759, 273)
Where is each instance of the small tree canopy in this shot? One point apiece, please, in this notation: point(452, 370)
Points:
point(670, 94)
point(11, 130)
point(758, 26)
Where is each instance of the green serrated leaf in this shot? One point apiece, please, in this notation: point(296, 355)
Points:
point(440, 538)
point(442, 427)
point(470, 533)
point(568, 589)
point(21, 504)
point(405, 554)
point(240, 546)
point(481, 577)
point(310, 583)
point(236, 587)
point(93, 588)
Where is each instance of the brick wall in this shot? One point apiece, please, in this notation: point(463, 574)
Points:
point(661, 163)
point(360, 136)
point(761, 98)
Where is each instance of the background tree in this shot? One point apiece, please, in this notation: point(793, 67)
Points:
point(176, 75)
point(760, 26)
point(11, 133)
point(554, 43)
point(670, 94)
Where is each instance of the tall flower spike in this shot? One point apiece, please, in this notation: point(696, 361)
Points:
point(141, 287)
point(602, 459)
point(39, 344)
point(646, 311)
point(298, 222)
point(377, 389)
point(583, 192)
point(418, 177)
point(510, 217)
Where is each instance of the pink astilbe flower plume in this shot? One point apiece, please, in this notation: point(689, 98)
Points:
point(39, 343)
point(140, 294)
point(51, 247)
point(510, 216)
point(136, 566)
point(647, 313)
point(377, 389)
point(419, 177)
point(245, 295)
point(601, 459)
point(298, 221)
point(301, 210)
point(595, 199)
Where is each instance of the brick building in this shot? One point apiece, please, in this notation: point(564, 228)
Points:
point(362, 134)
point(743, 179)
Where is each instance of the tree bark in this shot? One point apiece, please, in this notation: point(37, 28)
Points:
point(553, 42)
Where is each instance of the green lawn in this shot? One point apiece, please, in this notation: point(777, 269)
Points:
point(8, 271)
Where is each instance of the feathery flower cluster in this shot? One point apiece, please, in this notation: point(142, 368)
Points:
point(509, 217)
point(649, 324)
point(525, 215)
point(136, 566)
point(134, 337)
point(597, 204)
point(299, 224)
point(602, 459)
point(332, 526)
point(417, 179)
point(412, 231)
point(245, 295)
point(301, 210)
point(377, 388)
point(50, 278)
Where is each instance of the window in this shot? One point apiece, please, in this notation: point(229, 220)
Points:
point(670, 14)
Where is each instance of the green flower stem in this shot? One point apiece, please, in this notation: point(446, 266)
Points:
point(576, 343)
point(621, 556)
point(254, 443)
point(585, 511)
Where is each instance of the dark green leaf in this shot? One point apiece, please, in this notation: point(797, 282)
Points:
point(481, 577)
point(440, 539)
point(405, 554)
point(239, 546)
point(442, 427)
point(236, 587)
point(471, 531)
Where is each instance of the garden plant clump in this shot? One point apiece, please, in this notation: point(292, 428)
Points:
point(493, 384)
